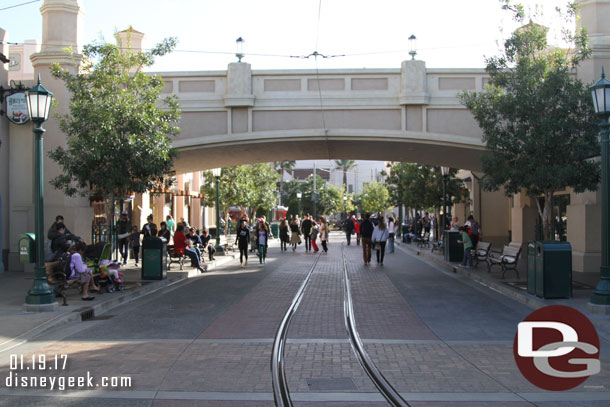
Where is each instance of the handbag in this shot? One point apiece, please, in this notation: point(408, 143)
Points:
point(376, 246)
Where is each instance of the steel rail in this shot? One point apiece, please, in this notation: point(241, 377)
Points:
point(281, 394)
point(385, 388)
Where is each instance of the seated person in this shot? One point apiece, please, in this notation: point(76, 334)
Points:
point(194, 238)
point(62, 240)
point(206, 243)
point(81, 271)
point(164, 232)
point(183, 245)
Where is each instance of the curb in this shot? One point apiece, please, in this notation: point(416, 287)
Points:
point(91, 311)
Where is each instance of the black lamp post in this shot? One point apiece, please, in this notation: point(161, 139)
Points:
point(445, 173)
point(40, 297)
point(601, 102)
point(216, 173)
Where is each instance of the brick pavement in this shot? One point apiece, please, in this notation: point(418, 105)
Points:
point(231, 355)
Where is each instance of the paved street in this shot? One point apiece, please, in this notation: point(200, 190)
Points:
point(439, 338)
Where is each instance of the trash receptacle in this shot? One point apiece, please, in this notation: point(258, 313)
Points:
point(275, 230)
point(532, 253)
point(554, 269)
point(27, 248)
point(154, 258)
point(454, 251)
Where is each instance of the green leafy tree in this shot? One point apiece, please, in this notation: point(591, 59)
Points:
point(345, 166)
point(283, 166)
point(537, 119)
point(117, 130)
point(421, 186)
point(330, 197)
point(245, 186)
point(375, 197)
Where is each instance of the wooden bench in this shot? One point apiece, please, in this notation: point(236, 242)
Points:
point(481, 253)
point(508, 259)
point(175, 257)
point(56, 279)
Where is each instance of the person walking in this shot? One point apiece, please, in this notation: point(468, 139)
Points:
point(379, 239)
point(164, 232)
point(315, 231)
point(134, 242)
point(357, 223)
point(171, 225)
point(467, 262)
point(475, 231)
point(262, 241)
point(306, 230)
point(284, 236)
point(123, 230)
point(366, 233)
point(349, 229)
point(324, 234)
point(295, 237)
point(391, 234)
point(149, 229)
point(242, 240)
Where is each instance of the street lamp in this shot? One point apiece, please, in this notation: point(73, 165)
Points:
point(345, 205)
point(39, 298)
point(299, 196)
point(445, 173)
point(412, 46)
point(240, 48)
point(216, 174)
point(601, 103)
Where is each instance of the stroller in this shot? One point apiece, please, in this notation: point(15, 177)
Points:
point(99, 256)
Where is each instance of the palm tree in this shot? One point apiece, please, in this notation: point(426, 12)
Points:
point(345, 165)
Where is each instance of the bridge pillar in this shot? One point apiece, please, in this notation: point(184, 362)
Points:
point(4, 161)
point(61, 28)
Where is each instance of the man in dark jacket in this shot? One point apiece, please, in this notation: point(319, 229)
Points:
point(349, 229)
point(123, 230)
point(62, 240)
point(366, 232)
point(306, 230)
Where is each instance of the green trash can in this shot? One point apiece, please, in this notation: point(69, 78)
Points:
point(27, 248)
point(554, 269)
point(275, 230)
point(454, 251)
point(154, 258)
point(532, 253)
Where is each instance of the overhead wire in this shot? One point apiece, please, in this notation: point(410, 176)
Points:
point(19, 5)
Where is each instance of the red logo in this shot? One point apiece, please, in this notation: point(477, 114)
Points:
point(557, 348)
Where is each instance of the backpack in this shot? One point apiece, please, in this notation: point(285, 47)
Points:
point(65, 264)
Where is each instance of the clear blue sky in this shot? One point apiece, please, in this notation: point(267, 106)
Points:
point(449, 33)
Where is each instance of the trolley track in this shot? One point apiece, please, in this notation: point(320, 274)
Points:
point(281, 392)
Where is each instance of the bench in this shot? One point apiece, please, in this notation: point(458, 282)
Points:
point(436, 245)
point(175, 257)
point(481, 253)
point(423, 240)
point(56, 279)
point(230, 245)
point(508, 259)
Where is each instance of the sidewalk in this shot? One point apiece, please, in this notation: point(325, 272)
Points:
point(517, 288)
point(17, 326)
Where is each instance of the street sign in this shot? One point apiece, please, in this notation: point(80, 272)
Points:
point(17, 108)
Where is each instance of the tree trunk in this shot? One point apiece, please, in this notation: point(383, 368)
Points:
point(546, 214)
point(345, 179)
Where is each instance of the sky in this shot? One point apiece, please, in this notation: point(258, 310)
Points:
point(371, 34)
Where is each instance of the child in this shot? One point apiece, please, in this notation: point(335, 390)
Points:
point(134, 241)
point(467, 248)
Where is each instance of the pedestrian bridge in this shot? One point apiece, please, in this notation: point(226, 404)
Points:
point(240, 116)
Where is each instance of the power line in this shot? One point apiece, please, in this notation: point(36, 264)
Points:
point(19, 5)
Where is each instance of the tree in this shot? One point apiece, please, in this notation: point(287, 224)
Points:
point(345, 166)
point(421, 186)
point(330, 196)
point(245, 186)
point(537, 120)
point(375, 197)
point(117, 132)
point(283, 166)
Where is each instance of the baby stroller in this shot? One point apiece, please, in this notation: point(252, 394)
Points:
point(98, 256)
